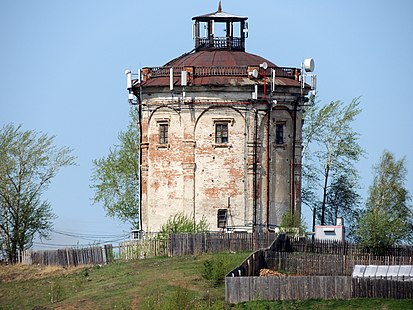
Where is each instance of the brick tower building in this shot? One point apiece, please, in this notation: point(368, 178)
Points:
point(220, 133)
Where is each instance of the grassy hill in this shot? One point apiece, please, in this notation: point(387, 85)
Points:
point(189, 282)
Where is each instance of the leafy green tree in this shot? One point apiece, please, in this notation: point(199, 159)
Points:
point(293, 224)
point(388, 219)
point(343, 201)
point(28, 163)
point(116, 177)
point(330, 148)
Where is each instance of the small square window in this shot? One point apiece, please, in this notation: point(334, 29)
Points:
point(279, 134)
point(163, 133)
point(221, 133)
point(222, 218)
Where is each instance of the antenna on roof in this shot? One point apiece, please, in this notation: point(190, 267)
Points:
point(171, 79)
point(128, 74)
point(307, 69)
point(219, 7)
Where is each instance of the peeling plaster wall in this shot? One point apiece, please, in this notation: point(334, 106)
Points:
point(194, 175)
point(165, 172)
point(221, 170)
point(279, 165)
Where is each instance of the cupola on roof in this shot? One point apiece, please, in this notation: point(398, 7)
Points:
point(233, 28)
point(219, 56)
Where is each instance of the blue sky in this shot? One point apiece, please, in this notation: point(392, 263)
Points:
point(62, 69)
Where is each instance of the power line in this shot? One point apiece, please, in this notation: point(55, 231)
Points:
point(58, 245)
point(95, 239)
point(78, 245)
point(81, 235)
point(90, 237)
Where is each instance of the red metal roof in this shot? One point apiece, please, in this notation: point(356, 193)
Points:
point(217, 58)
point(218, 68)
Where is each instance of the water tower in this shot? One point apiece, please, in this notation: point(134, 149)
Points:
point(220, 132)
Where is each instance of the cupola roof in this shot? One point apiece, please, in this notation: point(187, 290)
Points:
point(218, 15)
point(219, 57)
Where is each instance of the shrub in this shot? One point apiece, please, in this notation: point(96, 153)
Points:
point(215, 269)
point(293, 225)
point(56, 292)
point(181, 223)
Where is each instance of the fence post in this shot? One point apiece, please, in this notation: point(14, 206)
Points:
point(68, 258)
point(109, 253)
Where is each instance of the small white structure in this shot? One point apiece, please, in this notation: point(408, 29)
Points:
point(394, 272)
point(332, 232)
point(135, 234)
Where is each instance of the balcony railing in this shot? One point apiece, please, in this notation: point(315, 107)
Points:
point(285, 72)
point(219, 43)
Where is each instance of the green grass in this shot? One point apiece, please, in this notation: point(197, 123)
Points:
point(155, 283)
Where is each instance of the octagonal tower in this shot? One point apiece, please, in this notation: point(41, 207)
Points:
point(220, 133)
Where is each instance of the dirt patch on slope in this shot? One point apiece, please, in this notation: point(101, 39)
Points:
point(20, 272)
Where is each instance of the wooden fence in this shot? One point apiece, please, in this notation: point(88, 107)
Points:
point(241, 289)
point(381, 288)
point(176, 245)
point(326, 276)
point(189, 244)
point(251, 266)
point(69, 257)
point(331, 258)
point(179, 244)
point(305, 245)
point(341, 254)
point(138, 249)
point(327, 264)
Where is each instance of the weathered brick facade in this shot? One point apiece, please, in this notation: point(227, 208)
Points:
point(209, 145)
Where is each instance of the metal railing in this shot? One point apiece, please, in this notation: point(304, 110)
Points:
point(153, 72)
point(219, 43)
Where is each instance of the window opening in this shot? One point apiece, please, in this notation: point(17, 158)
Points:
point(163, 133)
point(221, 133)
point(222, 218)
point(279, 134)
